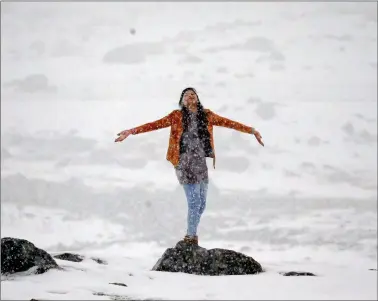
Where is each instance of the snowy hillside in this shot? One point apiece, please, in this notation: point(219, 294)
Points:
point(303, 74)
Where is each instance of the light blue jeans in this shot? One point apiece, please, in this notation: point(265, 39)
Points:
point(196, 195)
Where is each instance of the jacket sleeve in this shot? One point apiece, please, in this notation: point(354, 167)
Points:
point(154, 125)
point(217, 120)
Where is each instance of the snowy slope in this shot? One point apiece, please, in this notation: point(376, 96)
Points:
point(309, 88)
point(343, 272)
point(89, 281)
point(304, 74)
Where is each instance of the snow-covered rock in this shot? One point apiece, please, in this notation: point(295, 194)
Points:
point(20, 255)
point(193, 259)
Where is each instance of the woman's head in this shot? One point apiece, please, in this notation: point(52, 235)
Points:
point(189, 98)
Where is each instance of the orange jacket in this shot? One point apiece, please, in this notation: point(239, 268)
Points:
point(174, 120)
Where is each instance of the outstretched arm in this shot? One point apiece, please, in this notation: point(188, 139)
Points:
point(147, 127)
point(228, 123)
point(153, 126)
point(218, 120)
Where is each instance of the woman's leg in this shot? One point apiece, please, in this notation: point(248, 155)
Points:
point(193, 196)
point(203, 196)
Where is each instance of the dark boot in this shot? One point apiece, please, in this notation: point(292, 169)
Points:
point(191, 239)
point(196, 240)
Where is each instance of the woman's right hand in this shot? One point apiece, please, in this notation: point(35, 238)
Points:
point(123, 135)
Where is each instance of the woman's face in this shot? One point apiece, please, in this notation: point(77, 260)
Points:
point(190, 99)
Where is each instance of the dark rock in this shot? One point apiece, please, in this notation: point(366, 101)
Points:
point(193, 259)
point(99, 261)
point(112, 296)
point(20, 255)
point(70, 257)
point(298, 274)
point(100, 294)
point(77, 258)
point(118, 283)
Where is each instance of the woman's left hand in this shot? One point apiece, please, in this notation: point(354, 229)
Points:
point(258, 136)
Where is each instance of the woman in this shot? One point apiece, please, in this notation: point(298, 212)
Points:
point(190, 142)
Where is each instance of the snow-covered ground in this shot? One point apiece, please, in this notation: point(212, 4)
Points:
point(131, 265)
point(338, 245)
point(304, 74)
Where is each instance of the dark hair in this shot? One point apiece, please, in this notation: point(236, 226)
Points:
point(202, 123)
